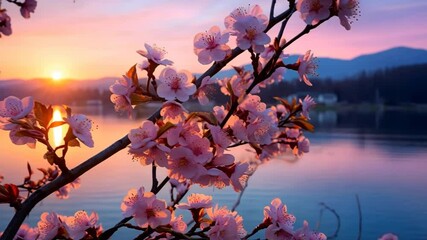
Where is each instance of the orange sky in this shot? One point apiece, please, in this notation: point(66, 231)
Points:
point(93, 39)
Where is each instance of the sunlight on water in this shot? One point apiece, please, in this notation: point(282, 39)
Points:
point(57, 131)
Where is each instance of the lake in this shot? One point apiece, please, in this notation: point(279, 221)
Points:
point(381, 156)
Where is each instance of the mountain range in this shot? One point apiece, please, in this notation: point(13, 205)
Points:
point(335, 69)
point(339, 69)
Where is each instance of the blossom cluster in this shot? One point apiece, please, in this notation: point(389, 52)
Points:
point(29, 121)
point(55, 226)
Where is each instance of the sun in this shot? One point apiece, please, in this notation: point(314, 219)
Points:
point(56, 75)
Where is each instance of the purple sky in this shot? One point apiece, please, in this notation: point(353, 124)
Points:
point(96, 38)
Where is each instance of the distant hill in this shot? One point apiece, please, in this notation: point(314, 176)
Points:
point(66, 91)
point(338, 69)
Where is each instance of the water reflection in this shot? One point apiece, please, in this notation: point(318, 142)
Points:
point(351, 153)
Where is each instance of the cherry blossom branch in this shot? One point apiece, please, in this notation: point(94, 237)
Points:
point(285, 22)
point(256, 229)
point(273, 4)
point(15, 2)
point(155, 182)
point(59, 182)
point(217, 66)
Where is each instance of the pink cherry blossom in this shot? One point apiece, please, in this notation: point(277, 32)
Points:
point(313, 11)
point(146, 209)
point(49, 225)
point(211, 45)
point(5, 23)
point(183, 131)
point(307, 103)
point(155, 54)
point(200, 148)
point(250, 33)
point(18, 139)
point(238, 83)
point(81, 127)
point(63, 192)
point(222, 159)
point(227, 224)
point(181, 187)
point(253, 104)
point(262, 127)
point(28, 7)
point(305, 233)
point(156, 154)
point(26, 233)
point(144, 65)
point(303, 145)
point(122, 90)
point(144, 136)
point(13, 108)
point(241, 12)
point(220, 113)
point(281, 221)
point(213, 177)
point(173, 112)
point(388, 236)
point(175, 85)
point(220, 138)
point(238, 127)
point(292, 132)
point(178, 225)
point(196, 201)
point(204, 89)
point(280, 110)
point(348, 10)
point(248, 26)
point(306, 66)
point(78, 224)
point(183, 164)
point(239, 176)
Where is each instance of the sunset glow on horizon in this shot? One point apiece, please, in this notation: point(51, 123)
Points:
point(99, 39)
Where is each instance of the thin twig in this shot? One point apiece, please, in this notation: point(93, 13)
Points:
point(359, 236)
point(335, 235)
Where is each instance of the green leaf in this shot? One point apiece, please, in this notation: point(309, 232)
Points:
point(131, 73)
point(206, 116)
point(56, 124)
point(164, 128)
point(136, 99)
point(74, 143)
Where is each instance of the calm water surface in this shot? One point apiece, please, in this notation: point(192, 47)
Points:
point(381, 157)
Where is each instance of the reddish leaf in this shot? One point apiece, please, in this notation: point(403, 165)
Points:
point(74, 143)
point(56, 124)
point(284, 102)
point(131, 73)
point(43, 114)
point(138, 99)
